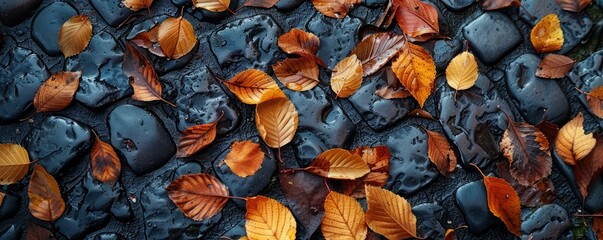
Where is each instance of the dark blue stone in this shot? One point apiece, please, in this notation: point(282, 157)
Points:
point(13, 12)
point(472, 200)
point(48, 22)
point(491, 36)
point(547, 222)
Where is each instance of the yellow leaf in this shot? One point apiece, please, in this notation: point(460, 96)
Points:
point(213, 5)
point(276, 119)
point(461, 73)
point(338, 163)
point(14, 163)
point(343, 219)
point(416, 70)
point(176, 37)
point(547, 35)
point(75, 35)
point(389, 214)
point(267, 219)
point(250, 85)
point(245, 158)
point(297, 74)
point(45, 201)
point(198, 196)
point(347, 77)
point(573, 143)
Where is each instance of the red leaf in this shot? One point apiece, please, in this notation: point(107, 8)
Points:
point(417, 19)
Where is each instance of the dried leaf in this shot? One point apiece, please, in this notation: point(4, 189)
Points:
point(149, 40)
point(104, 163)
point(389, 214)
point(57, 92)
point(2, 197)
point(75, 35)
point(394, 89)
point(306, 194)
point(573, 143)
point(212, 5)
point(461, 73)
point(176, 37)
point(347, 77)
point(574, 5)
point(377, 159)
point(297, 74)
point(276, 119)
point(504, 203)
point(449, 234)
point(14, 163)
point(143, 78)
point(550, 130)
point(334, 8)
point(586, 170)
point(136, 5)
point(260, 3)
point(338, 163)
point(196, 137)
point(344, 218)
point(499, 4)
point(598, 227)
point(250, 85)
point(36, 232)
point(377, 49)
point(301, 43)
point(245, 158)
point(554, 66)
point(266, 218)
point(416, 70)
point(540, 193)
point(440, 152)
point(418, 20)
point(594, 99)
point(198, 196)
point(45, 201)
point(547, 35)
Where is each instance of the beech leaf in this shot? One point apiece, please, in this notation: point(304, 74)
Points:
point(143, 78)
point(547, 35)
point(574, 5)
point(14, 163)
point(197, 137)
point(260, 3)
point(297, 74)
point(594, 99)
point(136, 5)
point(416, 70)
point(213, 5)
point(45, 201)
point(104, 163)
point(2, 197)
point(573, 143)
point(554, 66)
point(389, 214)
point(149, 40)
point(586, 170)
point(347, 77)
point(550, 130)
point(36, 232)
point(344, 218)
point(305, 193)
point(499, 4)
point(440, 152)
point(245, 158)
point(266, 218)
point(276, 119)
point(176, 37)
point(301, 43)
point(57, 92)
point(540, 193)
point(75, 34)
point(377, 49)
point(504, 203)
point(377, 159)
point(334, 8)
point(418, 20)
point(461, 73)
point(338, 163)
point(250, 85)
point(198, 196)
point(393, 89)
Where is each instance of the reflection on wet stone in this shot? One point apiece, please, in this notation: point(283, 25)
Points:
point(337, 36)
point(47, 23)
point(491, 36)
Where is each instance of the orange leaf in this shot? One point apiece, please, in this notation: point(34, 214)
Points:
point(266, 218)
point(150, 41)
point(276, 119)
point(586, 170)
point(2, 197)
point(547, 35)
point(343, 219)
point(334, 8)
point(197, 137)
point(143, 78)
point(377, 49)
point(212, 5)
point(440, 152)
point(499, 4)
point(14, 163)
point(104, 163)
point(136, 5)
point(377, 159)
point(260, 3)
point(250, 85)
point(198, 196)
point(416, 70)
point(461, 73)
point(598, 227)
point(301, 43)
point(594, 99)
point(57, 92)
point(245, 158)
point(417, 19)
point(449, 234)
point(347, 77)
point(297, 74)
point(45, 201)
point(338, 163)
point(176, 37)
point(389, 214)
point(554, 66)
point(75, 35)
point(573, 143)
point(574, 5)
point(504, 203)
point(393, 89)
point(540, 193)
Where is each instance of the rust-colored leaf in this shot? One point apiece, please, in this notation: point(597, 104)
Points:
point(393, 89)
point(250, 85)
point(598, 227)
point(338, 163)
point(418, 20)
point(197, 137)
point(36, 232)
point(550, 130)
point(461, 73)
point(136, 5)
point(540, 193)
point(440, 152)
point(276, 119)
point(14, 163)
point(149, 40)
point(301, 43)
point(57, 92)
point(547, 35)
point(586, 170)
point(2, 197)
point(297, 74)
point(305, 194)
point(499, 4)
point(504, 203)
point(260, 3)
point(266, 218)
point(176, 37)
point(594, 99)
point(416, 70)
point(45, 201)
point(344, 218)
point(449, 235)
point(347, 77)
point(75, 35)
point(143, 78)
point(377, 49)
point(573, 143)
point(389, 214)
point(104, 163)
point(334, 8)
point(377, 159)
point(198, 196)
point(245, 158)
point(554, 66)
point(212, 5)
point(574, 5)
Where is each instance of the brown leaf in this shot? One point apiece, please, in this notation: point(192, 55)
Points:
point(104, 163)
point(420, 113)
point(499, 4)
point(260, 3)
point(586, 170)
point(45, 201)
point(598, 227)
point(198, 196)
point(574, 5)
point(338, 163)
point(504, 203)
point(245, 158)
point(347, 77)
point(213, 5)
point(197, 137)
point(250, 85)
point(344, 218)
point(540, 193)
point(301, 43)
point(393, 89)
point(36, 232)
point(389, 214)
point(266, 218)
point(2, 197)
point(449, 234)
point(461, 73)
point(418, 20)
point(297, 74)
point(377, 49)
point(75, 35)
point(554, 66)
point(14, 163)
point(149, 40)
point(440, 152)
point(573, 143)
point(136, 5)
point(176, 37)
point(143, 78)
point(334, 8)
point(305, 193)
point(377, 159)
point(276, 119)
point(57, 92)
point(550, 130)
point(416, 70)
point(547, 35)
point(594, 99)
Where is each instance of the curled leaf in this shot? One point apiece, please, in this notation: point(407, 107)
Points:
point(301, 43)
point(57, 92)
point(45, 201)
point(377, 159)
point(440, 152)
point(574, 5)
point(587, 169)
point(389, 214)
point(136, 5)
point(212, 5)
point(297, 74)
point(461, 73)
point(143, 78)
point(504, 203)
point(176, 37)
point(150, 41)
point(417, 19)
point(198, 196)
point(14, 163)
point(260, 3)
point(338, 163)
point(347, 77)
point(75, 35)
point(416, 70)
point(250, 85)
point(499, 4)
point(197, 137)
point(377, 49)
point(104, 163)
point(266, 218)
point(334, 8)
point(573, 143)
point(276, 119)
point(245, 158)
point(554, 66)
point(344, 218)
point(547, 35)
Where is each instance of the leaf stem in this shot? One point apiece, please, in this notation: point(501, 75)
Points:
point(478, 169)
point(231, 12)
point(324, 180)
point(169, 103)
point(278, 155)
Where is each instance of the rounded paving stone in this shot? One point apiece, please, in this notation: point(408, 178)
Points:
point(112, 11)
point(472, 200)
point(14, 12)
point(47, 23)
point(547, 222)
point(337, 36)
point(10, 206)
point(491, 36)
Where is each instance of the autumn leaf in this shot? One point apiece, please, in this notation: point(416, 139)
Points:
point(573, 143)
point(297, 74)
point(503, 202)
point(36, 232)
point(461, 73)
point(305, 194)
point(440, 152)
point(45, 201)
point(594, 99)
point(260, 3)
point(250, 85)
point(198, 196)
point(499, 4)
point(554, 66)
point(266, 218)
point(540, 193)
point(143, 78)
point(338, 163)
point(136, 5)
point(574, 5)
point(416, 70)
point(347, 77)
point(213, 5)
point(418, 20)
point(393, 89)
point(598, 227)
point(149, 40)
point(301, 43)
point(334, 8)
point(104, 163)
point(586, 170)
point(57, 92)
point(550, 130)
point(245, 158)
point(197, 137)
point(276, 119)
point(377, 49)
point(14, 163)
point(377, 159)
point(449, 235)
point(547, 35)
point(389, 214)
point(75, 35)
point(176, 37)
point(344, 218)
point(2, 197)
